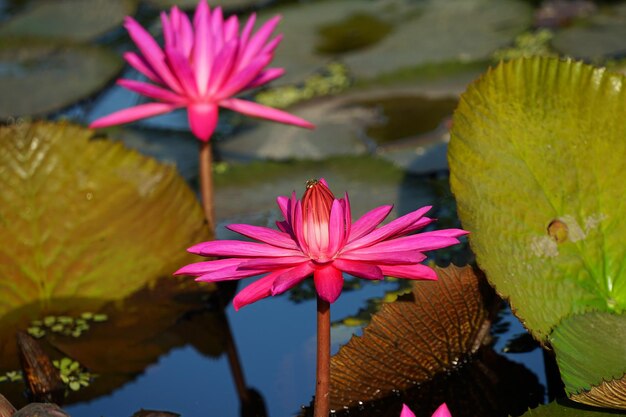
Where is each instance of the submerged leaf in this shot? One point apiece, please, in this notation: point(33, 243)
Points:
point(537, 158)
point(591, 353)
point(86, 219)
point(39, 77)
point(435, 328)
point(73, 20)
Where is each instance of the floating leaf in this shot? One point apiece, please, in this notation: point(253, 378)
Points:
point(430, 344)
point(86, 219)
point(38, 77)
point(565, 408)
point(433, 329)
point(73, 20)
point(591, 353)
point(536, 159)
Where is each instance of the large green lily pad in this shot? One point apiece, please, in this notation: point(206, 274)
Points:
point(591, 353)
point(86, 218)
point(38, 77)
point(536, 159)
point(72, 20)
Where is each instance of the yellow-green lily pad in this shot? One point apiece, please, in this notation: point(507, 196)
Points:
point(71, 20)
point(39, 77)
point(86, 218)
point(537, 160)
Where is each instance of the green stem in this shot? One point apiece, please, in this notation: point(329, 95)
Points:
point(322, 389)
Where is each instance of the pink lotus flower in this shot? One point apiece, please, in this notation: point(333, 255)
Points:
point(202, 67)
point(318, 237)
point(442, 411)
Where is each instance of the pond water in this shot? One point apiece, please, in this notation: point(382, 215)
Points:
point(163, 348)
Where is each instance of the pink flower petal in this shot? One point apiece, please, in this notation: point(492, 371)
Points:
point(271, 46)
point(168, 32)
point(348, 213)
point(368, 222)
point(258, 41)
point(406, 412)
point(140, 64)
point(184, 73)
point(222, 68)
point(328, 282)
point(151, 52)
point(243, 78)
point(217, 27)
point(387, 258)
point(153, 91)
point(257, 110)
point(202, 120)
point(291, 278)
point(245, 34)
point(267, 264)
point(359, 269)
point(200, 268)
point(265, 77)
point(389, 229)
point(229, 274)
point(183, 31)
point(417, 243)
point(442, 411)
point(336, 228)
point(133, 113)
point(237, 248)
point(265, 235)
point(416, 271)
point(259, 289)
point(231, 27)
point(203, 48)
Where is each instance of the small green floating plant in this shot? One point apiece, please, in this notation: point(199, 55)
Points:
point(65, 325)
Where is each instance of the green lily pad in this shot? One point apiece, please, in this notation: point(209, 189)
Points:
point(86, 218)
point(72, 20)
point(597, 38)
point(565, 408)
point(593, 366)
point(536, 159)
point(38, 77)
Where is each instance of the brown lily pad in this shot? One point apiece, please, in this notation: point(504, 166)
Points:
point(430, 347)
point(433, 329)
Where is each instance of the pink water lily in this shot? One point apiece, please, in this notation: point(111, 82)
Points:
point(317, 237)
point(441, 411)
point(202, 66)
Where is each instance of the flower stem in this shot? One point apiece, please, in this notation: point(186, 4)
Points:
point(206, 183)
point(322, 389)
point(206, 191)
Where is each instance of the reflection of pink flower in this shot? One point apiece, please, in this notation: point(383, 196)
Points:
point(442, 411)
point(201, 68)
point(318, 237)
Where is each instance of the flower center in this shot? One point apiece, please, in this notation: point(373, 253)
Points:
point(317, 202)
